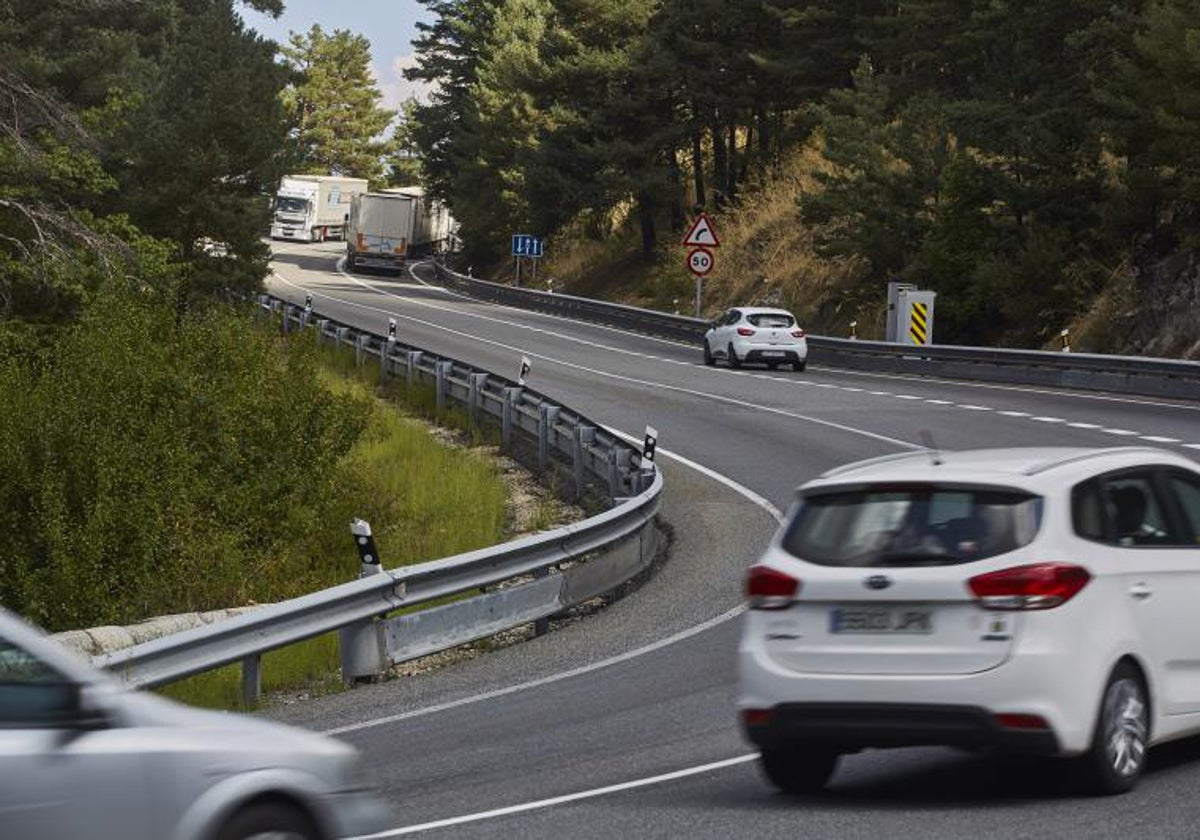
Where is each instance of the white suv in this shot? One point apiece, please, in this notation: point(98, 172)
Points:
point(756, 334)
point(1044, 601)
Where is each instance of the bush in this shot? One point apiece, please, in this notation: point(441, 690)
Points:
point(154, 465)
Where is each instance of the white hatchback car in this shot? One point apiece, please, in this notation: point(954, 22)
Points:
point(81, 757)
point(758, 335)
point(1043, 601)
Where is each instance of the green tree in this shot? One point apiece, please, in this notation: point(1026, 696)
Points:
point(333, 104)
point(404, 161)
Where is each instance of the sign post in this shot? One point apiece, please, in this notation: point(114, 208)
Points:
point(701, 238)
point(524, 245)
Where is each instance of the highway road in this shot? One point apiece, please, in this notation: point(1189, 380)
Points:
point(622, 724)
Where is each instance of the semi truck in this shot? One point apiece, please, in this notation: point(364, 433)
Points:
point(313, 208)
point(388, 227)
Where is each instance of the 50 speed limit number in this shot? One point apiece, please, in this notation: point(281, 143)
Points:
point(700, 261)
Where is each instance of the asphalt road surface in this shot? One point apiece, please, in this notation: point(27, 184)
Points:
point(622, 724)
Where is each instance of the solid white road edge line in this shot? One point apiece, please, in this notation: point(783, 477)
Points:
point(561, 800)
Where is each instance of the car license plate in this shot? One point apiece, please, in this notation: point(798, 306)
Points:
point(773, 353)
point(878, 620)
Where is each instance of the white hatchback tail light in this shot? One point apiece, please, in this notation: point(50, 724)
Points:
point(1040, 586)
point(745, 331)
point(770, 589)
point(798, 333)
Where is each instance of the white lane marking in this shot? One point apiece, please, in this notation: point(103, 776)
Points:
point(562, 800)
point(1014, 413)
point(879, 393)
point(841, 427)
point(906, 397)
point(1047, 420)
point(1159, 439)
point(939, 402)
point(1192, 445)
point(975, 407)
point(1084, 425)
point(1120, 432)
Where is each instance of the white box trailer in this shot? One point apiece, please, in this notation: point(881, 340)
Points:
point(388, 227)
point(313, 208)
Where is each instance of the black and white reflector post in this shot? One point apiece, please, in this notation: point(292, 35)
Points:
point(649, 444)
point(308, 302)
point(368, 556)
point(525, 368)
point(391, 329)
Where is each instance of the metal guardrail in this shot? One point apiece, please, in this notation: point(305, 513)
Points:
point(1134, 375)
point(498, 587)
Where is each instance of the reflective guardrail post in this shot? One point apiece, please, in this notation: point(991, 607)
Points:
point(322, 326)
point(362, 646)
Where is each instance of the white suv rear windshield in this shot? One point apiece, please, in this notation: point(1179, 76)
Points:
point(911, 525)
point(772, 320)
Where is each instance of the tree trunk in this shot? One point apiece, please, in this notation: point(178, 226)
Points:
point(720, 160)
point(646, 220)
point(698, 165)
point(731, 171)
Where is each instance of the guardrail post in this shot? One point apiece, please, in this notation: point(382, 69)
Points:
point(618, 464)
point(322, 326)
point(584, 436)
point(251, 680)
point(477, 381)
point(340, 334)
point(508, 415)
point(287, 317)
point(547, 415)
point(441, 373)
point(360, 349)
point(411, 360)
point(385, 352)
point(362, 644)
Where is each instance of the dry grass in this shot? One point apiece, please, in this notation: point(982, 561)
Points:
point(767, 256)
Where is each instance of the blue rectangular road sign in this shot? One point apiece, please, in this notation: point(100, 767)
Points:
point(524, 245)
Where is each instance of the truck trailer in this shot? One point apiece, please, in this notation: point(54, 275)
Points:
point(313, 208)
point(388, 227)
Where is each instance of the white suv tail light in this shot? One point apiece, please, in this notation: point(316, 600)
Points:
point(770, 589)
point(1040, 586)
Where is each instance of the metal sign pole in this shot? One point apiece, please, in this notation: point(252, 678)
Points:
point(699, 294)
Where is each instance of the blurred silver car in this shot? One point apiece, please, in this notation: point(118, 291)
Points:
point(757, 335)
point(83, 757)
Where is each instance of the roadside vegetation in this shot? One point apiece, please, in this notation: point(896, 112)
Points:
point(1032, 162)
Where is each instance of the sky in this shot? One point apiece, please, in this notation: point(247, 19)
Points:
point(390, 26)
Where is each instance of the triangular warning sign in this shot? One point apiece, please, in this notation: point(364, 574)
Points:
point(701, 234)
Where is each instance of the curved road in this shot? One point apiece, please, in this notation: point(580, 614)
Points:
point(622, 723)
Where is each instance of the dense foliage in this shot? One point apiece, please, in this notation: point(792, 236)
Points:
point(146, 463)
point(1015, 156)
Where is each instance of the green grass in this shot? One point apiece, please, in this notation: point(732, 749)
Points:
point(424, 501)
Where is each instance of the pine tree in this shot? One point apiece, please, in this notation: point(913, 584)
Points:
point(333, 104)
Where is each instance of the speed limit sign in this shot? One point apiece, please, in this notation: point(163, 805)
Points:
point(700, 261)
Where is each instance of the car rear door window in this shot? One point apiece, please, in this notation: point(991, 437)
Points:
point(912, 526)
point(1187, 491)
point(1136, 511)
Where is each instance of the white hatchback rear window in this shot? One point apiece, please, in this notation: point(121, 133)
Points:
point(771, 321)
point(911, 525)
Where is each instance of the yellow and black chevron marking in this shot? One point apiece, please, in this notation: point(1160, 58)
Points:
point(918, 323)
